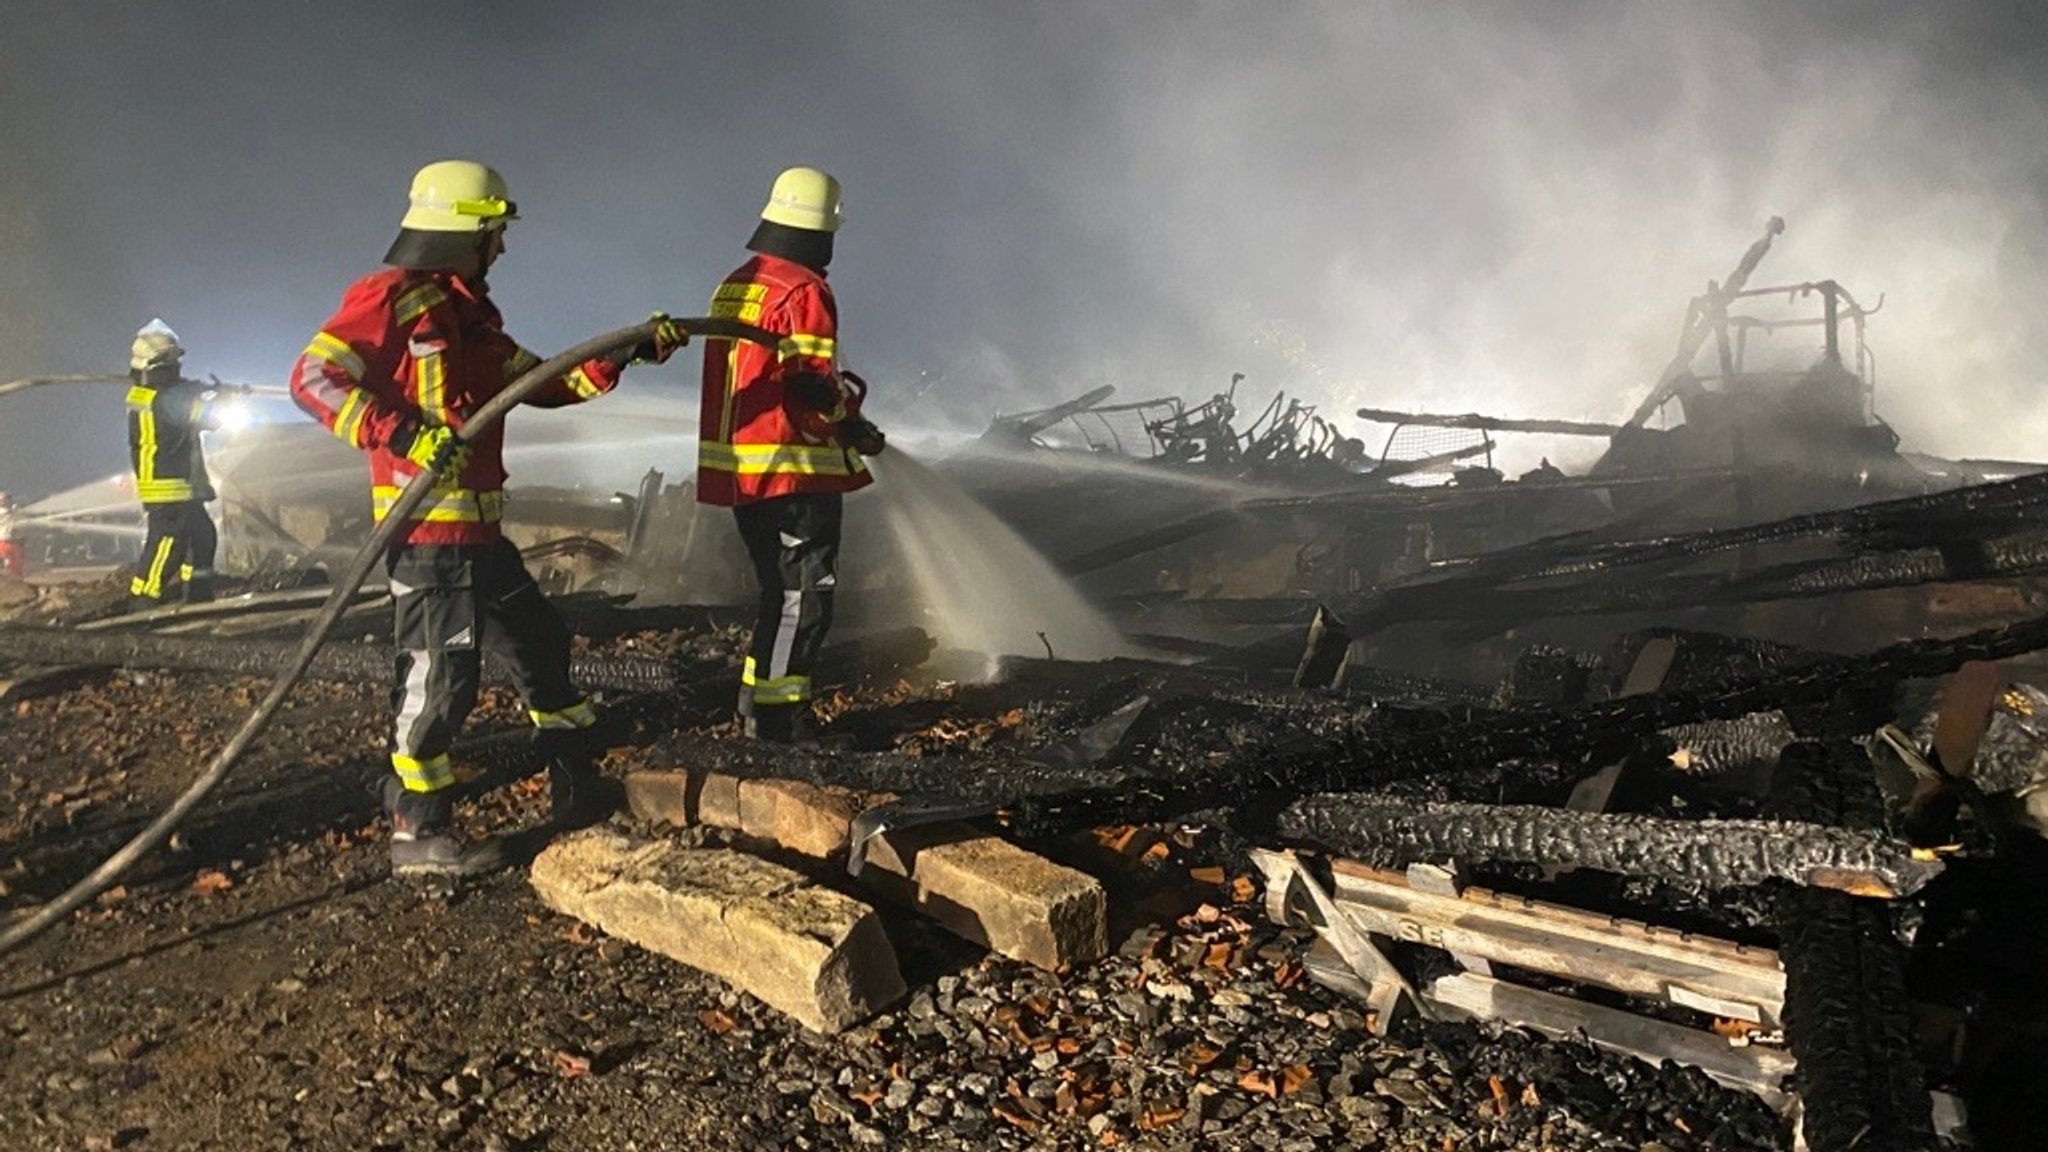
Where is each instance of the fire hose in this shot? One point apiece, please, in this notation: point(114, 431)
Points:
point(373, 550)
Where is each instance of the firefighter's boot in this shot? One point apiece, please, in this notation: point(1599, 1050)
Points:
point(578, 795)
point(423, 843)
point(200, 585)
point(782, 723)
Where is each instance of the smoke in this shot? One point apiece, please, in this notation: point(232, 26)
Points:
point(1500, 208)
point(1460, 207)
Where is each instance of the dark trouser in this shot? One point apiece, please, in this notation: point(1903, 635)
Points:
point(179, 551)
point(794, 543)
point(452, 604)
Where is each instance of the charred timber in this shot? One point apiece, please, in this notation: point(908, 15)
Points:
point(1712, 853)
point(1259, 778)
point(1487, 423)
point(1944, 522)
point(1745, 744)
point(2021, 554)
point(1848, 1018)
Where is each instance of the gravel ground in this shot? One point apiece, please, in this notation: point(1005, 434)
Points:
point(264, 985)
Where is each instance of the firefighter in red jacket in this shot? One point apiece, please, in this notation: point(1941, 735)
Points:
point(780, 442)
point(415, 350)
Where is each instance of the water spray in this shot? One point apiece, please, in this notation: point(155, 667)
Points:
point(409, 501)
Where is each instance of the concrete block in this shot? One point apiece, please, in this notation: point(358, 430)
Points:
point(818, 955)
point(717, 800)
point(661, 797)
point(988, 890)
point(803, 818)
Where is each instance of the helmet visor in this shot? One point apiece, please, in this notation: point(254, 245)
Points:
point(492, 210)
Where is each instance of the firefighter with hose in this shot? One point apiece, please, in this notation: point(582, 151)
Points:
point(166, 415)
point(414, 350)
point(780, 442)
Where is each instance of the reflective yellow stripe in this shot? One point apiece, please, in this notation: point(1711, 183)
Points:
point(163, 491)
point(448, 506)
point(414, 304)
point(782, 690)
point(805, 344)
point(747, 672)
point(763, 459)
point(430, 775)
point(151, 582)
point(581, 383)
point(431, 378)
point(348, 423)
point(143, 402)
point(577, 715)
point(333, 350)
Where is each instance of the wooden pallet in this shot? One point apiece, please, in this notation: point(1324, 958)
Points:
point(1358, 912)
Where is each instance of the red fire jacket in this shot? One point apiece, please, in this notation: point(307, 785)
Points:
point(425, 346)
point(755, 442)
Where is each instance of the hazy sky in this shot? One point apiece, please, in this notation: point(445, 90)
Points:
point(1500, 207)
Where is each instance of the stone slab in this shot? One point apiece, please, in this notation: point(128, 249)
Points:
point(1013, 902)
point(803, 818)
point(716, 799)
point(661, 797)
point(818, 955)
point(983, 888)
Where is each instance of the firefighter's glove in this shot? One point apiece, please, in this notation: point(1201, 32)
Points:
point(656, 349)
point(863, 437)
point(437, 449)
point(815, 392)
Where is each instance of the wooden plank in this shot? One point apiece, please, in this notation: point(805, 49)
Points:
point(1757, 1068)
point(1294, 896)
point(1701, 972)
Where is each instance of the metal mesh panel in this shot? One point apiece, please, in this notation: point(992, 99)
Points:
point(1416, 441)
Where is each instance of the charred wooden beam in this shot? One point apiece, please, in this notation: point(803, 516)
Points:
point(1847, 1016)
point(1714, 853)
point(1487, 423)
point(1931, 536)
point(2019, 554)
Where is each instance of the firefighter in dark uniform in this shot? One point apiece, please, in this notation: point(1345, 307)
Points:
point(413, 352)
point(166, 414)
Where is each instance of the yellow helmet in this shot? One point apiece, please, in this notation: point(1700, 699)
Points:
point(804, 198)
point(458, 196)
point(156, 346)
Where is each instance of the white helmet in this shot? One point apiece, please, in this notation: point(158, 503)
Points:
point(804, 198)
point(458, 196)
point(156, 346)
